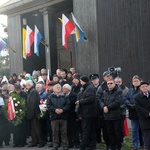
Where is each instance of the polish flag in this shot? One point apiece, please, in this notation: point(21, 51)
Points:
point(11, 109)
point(67, 28)
point(29, 40)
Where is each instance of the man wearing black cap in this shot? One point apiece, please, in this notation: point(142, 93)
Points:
point(95, 81)
point(142, 105)
point(88, 111)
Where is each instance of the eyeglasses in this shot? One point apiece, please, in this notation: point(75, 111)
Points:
point(110, 83)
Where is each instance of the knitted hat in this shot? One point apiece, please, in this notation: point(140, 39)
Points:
point(84, 78)
point(76, 76)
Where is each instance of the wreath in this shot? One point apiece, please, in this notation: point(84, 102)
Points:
point(20, 108)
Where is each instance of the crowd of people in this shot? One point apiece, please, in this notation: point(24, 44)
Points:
point(70, 110)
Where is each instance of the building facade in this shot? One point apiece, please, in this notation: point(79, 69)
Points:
point(117, 31)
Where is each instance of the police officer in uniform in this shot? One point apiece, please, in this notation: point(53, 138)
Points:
point(94, 78)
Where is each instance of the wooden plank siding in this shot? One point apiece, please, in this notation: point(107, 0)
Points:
point(14, 32)
point(124, 37)
point(86, 53)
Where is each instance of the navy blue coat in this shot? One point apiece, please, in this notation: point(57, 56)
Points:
point(130, 102)
point(54, 102)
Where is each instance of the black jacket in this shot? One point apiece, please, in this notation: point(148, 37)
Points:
point(142, 105)
point(112, 99)
point(33, 101)
point(72, 99)
point(76, 89)
point(87, 101)
point(54, 102)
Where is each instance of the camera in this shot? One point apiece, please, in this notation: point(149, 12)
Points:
point(115, 71)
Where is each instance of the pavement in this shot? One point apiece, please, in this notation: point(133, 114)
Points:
point(31, 148)
point(35, 148)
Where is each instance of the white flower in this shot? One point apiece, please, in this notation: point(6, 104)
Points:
point(16, 104)
point(20, 110)
point(14, 99)
point(16, 112)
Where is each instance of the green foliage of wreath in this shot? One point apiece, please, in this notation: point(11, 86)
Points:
point(20, 108)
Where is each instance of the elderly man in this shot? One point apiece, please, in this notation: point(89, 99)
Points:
point(99, 125)
point(142, 105)
point(58, 106)
point(44, 118)
point(73, 133)
point(33, 112)
point(88, 111)
point(39, 87)
point(102, 88)
point(110, 103)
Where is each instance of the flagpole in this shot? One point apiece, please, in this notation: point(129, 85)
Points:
point(44, 42)
point(9, 47)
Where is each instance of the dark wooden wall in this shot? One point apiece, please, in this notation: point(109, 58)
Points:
point(86, 53)
point(124, 37)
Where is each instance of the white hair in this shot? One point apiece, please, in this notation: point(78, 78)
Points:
point(29, 82)
point(40, 85)
point(67, 86)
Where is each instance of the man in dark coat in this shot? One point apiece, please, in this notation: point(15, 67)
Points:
point(88, 111)
point(58, 106)
point(133, 115)
point(94, 78)
point(142, 105)
point(99, 93)
point(110, 103)
point(73, 133)
point(33, 113)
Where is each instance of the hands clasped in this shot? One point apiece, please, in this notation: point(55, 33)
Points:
point(58, 111)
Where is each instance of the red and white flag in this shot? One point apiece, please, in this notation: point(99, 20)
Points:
point(67, 28)
point(29, 40)
point(11, 109)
